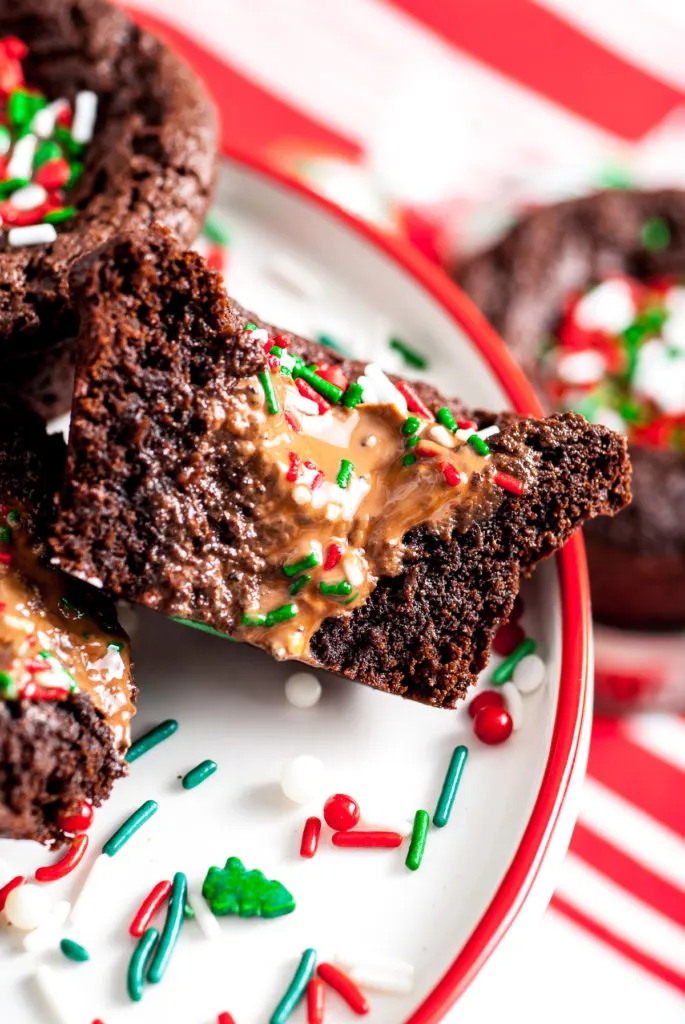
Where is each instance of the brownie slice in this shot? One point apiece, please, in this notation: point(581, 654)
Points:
point(162, 507)
point(65, 699)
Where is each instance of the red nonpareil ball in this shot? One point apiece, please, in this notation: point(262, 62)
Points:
point(77, 818)
point(341, 812)
point(508, 637)
point(493, 725)
point(486, 699)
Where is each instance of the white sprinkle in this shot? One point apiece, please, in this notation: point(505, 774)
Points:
point(27, 907)
point(378, 980)
point(302, 690)
point(354, 572)
point(581, 367)
point(529, 674)
point(370, 442)
point(609, 418)
point(293, 276)
point(48, 934)
point(29, 197)
point(260, 335)
point(110, 666)
point(21, 161)
point(288, 362)
point(382, 965)
point(82, 908)
point(369, 393)
point(488, 432)
point(608, 307)
point(673, 330)
point(33, 234)
point(206, 922)
point(441, 435)
point(54, 996)
point(303, 778)
point(85, 115)
point(513, 702)
point(385, 389)
point(464, 435)
point(302, 495)
point(301, 404)
point(43, 123)
point(332, 511)
point(661, 377)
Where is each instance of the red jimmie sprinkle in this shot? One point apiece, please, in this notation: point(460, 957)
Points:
point(5, 558)
point(413, 401)
point(53, 174)
point(148, 908)
point(425, 453)
point(344, 986)
point(274, 362)
point(34, 691)
point(509, 483)
point(216, 260)
point(292, 422)
point(294, 471)
point(225, 1018)
point(333, 556)
point(451, 474)
point(65, 117)
point(69, 861)
point(316, 1001)
point(282, 340)
point(307, 391)
point(367, 840)
point(311, 833)
point(319, 477)
point(13, 883)
point(466, 424)
point(334, 375)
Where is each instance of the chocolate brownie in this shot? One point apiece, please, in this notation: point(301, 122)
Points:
point(637, 560)
point(152, 158)
point(295, 499)
point(66, 692)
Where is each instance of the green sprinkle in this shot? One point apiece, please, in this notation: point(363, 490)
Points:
point(655, 234)
point(504, 672)
point(188, 911)
point(198, 774)
point(409, 459)
point(342, 589)
point(254, 620)
point(282, 614)
point(310, 561)
point(76, 172)
point(328, 342)
point(331, 392)
point(5, 534)
point(411, 425)
point(351, 599)
point(479, 445)
point(22, 104)
point(11, 185)
point(115, 645)
point(276, 350)
point(450, 786)
point(412, 441)
point(13, 517)
point(130, 827)
point(5, 139)
point(57, 666)
point(48, 150)
point(151, 739)
point(249, 327)
point(270, 392)
point(60, 215)
point(353, 396)
point(296, 988)
point(138, 963)
point(446, 419)
point(8, 687)
point(344, 473)
point(203, 628)
point(74, 951)
point(418, 840)
point(214, 228)
point(410, 355)
point(65, 138)
point(299, 583)
point(171, 930)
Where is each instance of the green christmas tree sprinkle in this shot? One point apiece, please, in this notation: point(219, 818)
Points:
point(235, 890)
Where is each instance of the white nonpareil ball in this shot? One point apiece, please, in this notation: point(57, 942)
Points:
point(609, 307)
point(585, 367)
point(27, 907)
point(302, 690)
point(303, 778)
point(529, 674)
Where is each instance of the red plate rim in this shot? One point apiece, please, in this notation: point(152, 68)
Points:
point(573, 579)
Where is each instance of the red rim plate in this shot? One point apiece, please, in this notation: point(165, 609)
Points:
point(573, 580)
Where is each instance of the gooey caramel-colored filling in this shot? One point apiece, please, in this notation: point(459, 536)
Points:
point(49, 647)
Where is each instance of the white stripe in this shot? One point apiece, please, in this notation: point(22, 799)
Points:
point(644, 838)
point(662, 735)
point(614, 908)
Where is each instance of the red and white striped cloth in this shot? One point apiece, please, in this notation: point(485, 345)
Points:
point(439, 119)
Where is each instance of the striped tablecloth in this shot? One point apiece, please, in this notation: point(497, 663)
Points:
point(438, 119)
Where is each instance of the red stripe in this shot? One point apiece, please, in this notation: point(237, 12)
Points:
point(626, 949)
point(254, 118)
point(627, 873)
point(638, 776)
point(547, 54)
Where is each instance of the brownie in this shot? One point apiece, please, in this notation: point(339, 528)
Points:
point(637, 560)
point(61, 742)
point(152, 158)
point(165, 509)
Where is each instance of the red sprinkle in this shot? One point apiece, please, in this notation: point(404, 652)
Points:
point(508, 638)
point(65, 117)
point(311, 833)
point(333, 556)
point(225, 1018)
point(451, 474)
point(307, 391)
point(13, 47)
point(77, 820)
point(425, 453)
point(316, 1001)
point(509, 483)
point(148, 908)
point(215, 260)
point(69, 861)
point(5, 558)
point(53, 174)
point(293, 423)
point(413, 401)
point(486, 699)
point(333, 374)
point(294, 471)
point(319, 477)
point(14, 883)
point(282, 340)
point(344, 986)
point(493, 725)
point(341, 812)
point(34, 691)
point(367, 840)
point(466, 424)
point(274, 362)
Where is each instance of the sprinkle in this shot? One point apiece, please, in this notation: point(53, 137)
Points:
point(529, 674)
point(5, 140)
point(451, 474)
point(259, 619)
point(29, 197)
point(316, 1001)
point(130, 827)
point(302, 778)
point(411, 425)
point(171, 930)
point(214, 228)
point(493, 725)
point(379, 388)
point(446, 419)
point(80, 909)
point(249, 326)
point(138, 964)
point(302, 690)
point(655, 234)
point(283, 613)
point(488, 432)
point(21, 161)
point(344, 473)
point(344, 986)
point(13, 883)
point(466, 424)
point(44, 121)
point(67, 863)
point(410, 355)
point(409, 460)
point(413, 401)
point(449, 787)
point(85, 115)
point(367, 840)
point(307, 391)
point(299, 583)
point(418, 840)
point(353, 396)
point(8, 688)
point(479, 445)
point(148, 908)
point(311, 834)
point(10, 185)
point(292, 422)
point(331, 392)
point(61, 1008)
point(74, 951)
point(342, 589)
point(204, 918)
point(269, 392)
point(33, 234)
point(155, 736)
point(198, 774)
point(508, 483)
point(333, 556)
point(504, 672)
point(225, 1018)
point(203, 628)
point(60, 215)
point(310, 561)
point(296, 988)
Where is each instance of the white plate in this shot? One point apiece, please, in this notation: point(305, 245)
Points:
point(229, 701)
